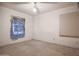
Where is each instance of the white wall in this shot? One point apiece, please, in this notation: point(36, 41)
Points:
point(5, 17)
point(46, 28)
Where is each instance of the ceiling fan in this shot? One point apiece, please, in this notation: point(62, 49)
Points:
point(35, 7)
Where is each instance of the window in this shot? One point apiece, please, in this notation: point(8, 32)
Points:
point(17, 27)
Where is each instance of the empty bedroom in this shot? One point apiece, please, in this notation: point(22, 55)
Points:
point(39, 28)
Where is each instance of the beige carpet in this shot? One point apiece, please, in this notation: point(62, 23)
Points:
point(37, 48)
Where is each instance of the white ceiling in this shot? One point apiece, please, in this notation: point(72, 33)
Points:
point(43, 7)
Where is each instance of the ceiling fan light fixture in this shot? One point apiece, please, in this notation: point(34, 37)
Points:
point(34, 10)
point(34, 7)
